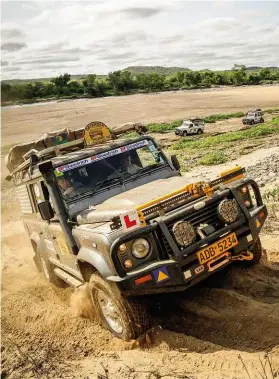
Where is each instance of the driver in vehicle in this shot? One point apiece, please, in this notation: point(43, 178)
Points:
point(67, 187)
point(130, 167)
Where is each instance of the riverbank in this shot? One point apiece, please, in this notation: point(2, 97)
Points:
point(54, 100)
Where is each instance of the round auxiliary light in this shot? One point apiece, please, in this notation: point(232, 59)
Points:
point(128, 263)
point(122, 248)
point(184, 233)
point(140, 248)
point(228, 210)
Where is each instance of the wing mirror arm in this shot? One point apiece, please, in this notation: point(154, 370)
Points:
point(175, 162)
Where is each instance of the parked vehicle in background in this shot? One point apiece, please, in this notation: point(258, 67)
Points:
point(253, 117)
point(191, 126)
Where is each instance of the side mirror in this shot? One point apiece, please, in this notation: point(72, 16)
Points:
point(175, 162)
point(45, 210)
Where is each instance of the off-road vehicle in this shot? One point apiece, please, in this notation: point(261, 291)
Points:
point(253, 117)
point(192, 126)
point(116, 213)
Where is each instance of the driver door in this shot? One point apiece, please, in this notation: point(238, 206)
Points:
point(63, 250)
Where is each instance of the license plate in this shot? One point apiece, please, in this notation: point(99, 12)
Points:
point(217, 248)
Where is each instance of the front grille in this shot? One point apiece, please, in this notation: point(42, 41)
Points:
point(207, 215)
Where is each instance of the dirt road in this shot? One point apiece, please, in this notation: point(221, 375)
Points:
point(221, 331)
point(31, 121)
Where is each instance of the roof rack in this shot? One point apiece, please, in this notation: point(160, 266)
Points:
point(26, 155)
point(50, 152)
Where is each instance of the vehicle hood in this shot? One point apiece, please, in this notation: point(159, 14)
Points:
point(129, 200)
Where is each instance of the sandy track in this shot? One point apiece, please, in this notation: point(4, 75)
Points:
point(199, 334)
point(30, 122)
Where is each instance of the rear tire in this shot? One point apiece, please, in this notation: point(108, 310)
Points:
point(257, 251)
point(126, 318)
point(48, 272)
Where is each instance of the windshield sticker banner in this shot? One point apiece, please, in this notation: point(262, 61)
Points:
point(97, 157)
point(72, 165)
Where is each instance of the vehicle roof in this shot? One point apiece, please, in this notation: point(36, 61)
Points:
point(193, 119)
point(90, 151)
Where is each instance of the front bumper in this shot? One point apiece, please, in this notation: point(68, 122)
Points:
point(183, 270)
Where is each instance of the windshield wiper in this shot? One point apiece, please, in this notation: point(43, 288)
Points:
point(102, 183)
point(141, 171)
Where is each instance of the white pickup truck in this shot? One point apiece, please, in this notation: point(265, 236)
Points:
point(192, 126)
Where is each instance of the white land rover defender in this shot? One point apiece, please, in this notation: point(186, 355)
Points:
point(191, 126)
point(117, 214)
point(253, 117)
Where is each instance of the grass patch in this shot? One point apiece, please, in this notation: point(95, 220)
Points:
point(167, 127)
point(253, 132)
point(219, 117)
point(215, 157)
point(164, 127)
point(271, 110)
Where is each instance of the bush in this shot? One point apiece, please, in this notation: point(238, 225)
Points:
point(218, 117)
point(213, 158)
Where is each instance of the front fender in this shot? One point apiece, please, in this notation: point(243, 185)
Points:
point(95, 259)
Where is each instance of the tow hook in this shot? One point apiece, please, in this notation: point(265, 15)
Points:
point(247, 256)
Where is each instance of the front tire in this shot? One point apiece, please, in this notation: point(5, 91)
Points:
point(262, 120)
point(200, 131)
point(48, 272)
point(185, 134)
point(127, 319)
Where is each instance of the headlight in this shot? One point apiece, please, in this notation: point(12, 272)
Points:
point(140, 248)
point(184, 233)
point(228, 210)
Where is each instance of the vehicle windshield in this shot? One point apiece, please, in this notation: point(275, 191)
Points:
point(102, 170)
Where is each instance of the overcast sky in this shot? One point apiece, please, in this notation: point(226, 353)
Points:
point(49, 38)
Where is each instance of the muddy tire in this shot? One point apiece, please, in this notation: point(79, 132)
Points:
point(48, 272)
point(126, 318)
point(184, 134)
point(257, 251)
point(200, 131)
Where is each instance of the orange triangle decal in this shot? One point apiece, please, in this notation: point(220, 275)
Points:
point(258, 224)
point(162, 276)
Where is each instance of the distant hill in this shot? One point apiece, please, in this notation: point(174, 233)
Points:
point(158, 69)
point(255, 68)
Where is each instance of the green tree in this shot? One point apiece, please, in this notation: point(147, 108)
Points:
point(265, 73)
point(61, 82)
point(114, 79)
point(238, 74)
point(75, 87)
point(254, 78)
